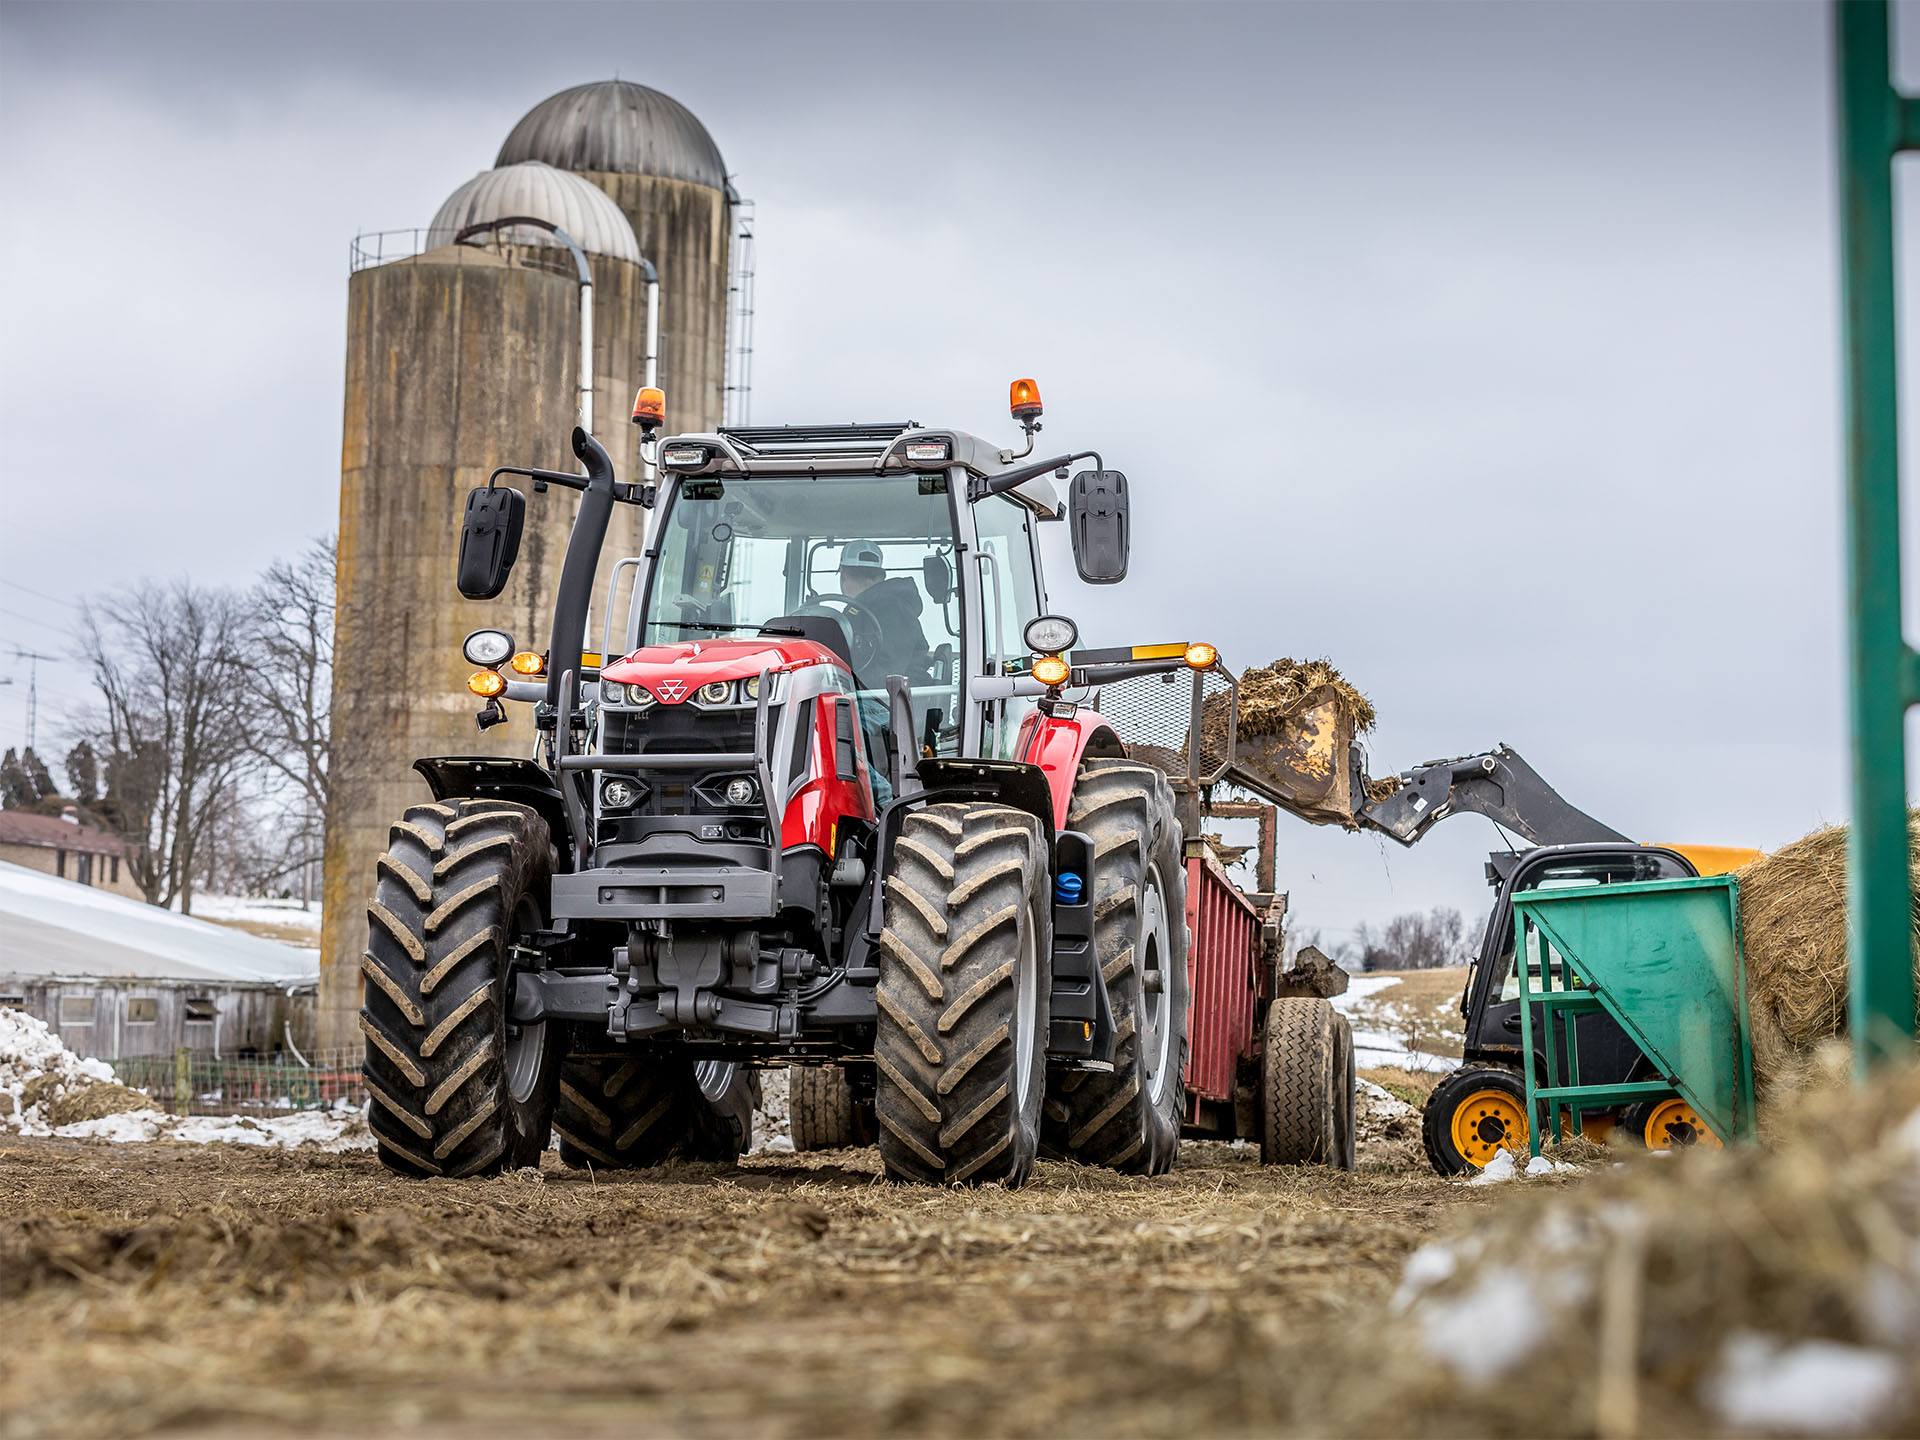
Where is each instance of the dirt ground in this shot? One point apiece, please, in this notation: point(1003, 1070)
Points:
point(214, 1290)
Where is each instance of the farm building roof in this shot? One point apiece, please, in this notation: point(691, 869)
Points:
point(54, 928)
point(19, 827)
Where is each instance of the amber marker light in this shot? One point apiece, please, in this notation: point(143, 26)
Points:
point(487, 683)
point(1201, 656)
point(530, 662)
point(1023, 399)
point(1052, 670)
point(650, 407)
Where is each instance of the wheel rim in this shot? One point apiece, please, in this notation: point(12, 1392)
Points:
point(714, 1077)
point(526, 1049)
point(1156, 1000)
point(1026, 1020)
point(1485, 1123)
point(1676, 1125)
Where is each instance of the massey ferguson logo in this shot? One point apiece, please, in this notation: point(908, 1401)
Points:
point(673, 691)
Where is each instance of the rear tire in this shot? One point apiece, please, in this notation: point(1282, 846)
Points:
point(622, 1112)
point(1303, 1085)
point(824, 1112)
point(965, 961)
point(1130, 1119)
point(455, 1088)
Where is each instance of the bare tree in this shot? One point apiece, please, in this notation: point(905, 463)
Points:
point(289, 685)
point(169, 734)
point(1414, 941)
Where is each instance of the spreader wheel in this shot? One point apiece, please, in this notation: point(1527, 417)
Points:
point(1130, 1119)
point(965, 976)
point(1471, 1116)
point(456, 1087)
point(1670, 1124)
point(1306, 1100)
point(824, 1112)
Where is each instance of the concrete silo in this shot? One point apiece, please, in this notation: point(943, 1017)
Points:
point(461, 358)
point(658, 163)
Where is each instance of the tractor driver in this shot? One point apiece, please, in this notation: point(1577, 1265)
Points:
point(896, 605)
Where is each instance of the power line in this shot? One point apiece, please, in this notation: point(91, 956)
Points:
point(40, 594)
point(33, 620)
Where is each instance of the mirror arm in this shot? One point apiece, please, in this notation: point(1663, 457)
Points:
point(630, 494)
point(979, 489)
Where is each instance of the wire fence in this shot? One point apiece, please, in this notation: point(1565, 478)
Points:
point(189, 1082)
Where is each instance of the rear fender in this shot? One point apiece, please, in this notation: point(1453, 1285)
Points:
point(1056, 744)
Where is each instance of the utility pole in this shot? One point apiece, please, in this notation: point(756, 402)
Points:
point(33, 659)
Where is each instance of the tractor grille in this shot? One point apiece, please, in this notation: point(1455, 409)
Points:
point(1154, 716)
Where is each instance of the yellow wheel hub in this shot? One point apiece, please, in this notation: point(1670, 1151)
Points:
point(1673, 1125)
point(1487, 1122)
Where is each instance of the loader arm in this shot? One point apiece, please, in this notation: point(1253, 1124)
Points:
point(1497, 784)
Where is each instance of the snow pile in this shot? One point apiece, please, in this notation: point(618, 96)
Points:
point(1386, 1129)
point(44, 1082)
point(772, 1122)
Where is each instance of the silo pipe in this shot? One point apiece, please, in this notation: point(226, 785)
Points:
point(585, 273)
point(652, 370)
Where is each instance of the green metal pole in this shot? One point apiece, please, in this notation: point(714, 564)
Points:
point(1875, 122)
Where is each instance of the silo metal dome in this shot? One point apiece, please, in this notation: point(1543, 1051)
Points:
point(577, 206)
point(617, 127)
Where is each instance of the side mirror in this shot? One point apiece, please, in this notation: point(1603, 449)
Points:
point(937, 579)
point(1097, 513)
point(490, 540)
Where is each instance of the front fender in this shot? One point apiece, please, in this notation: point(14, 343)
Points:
point(1056, 744)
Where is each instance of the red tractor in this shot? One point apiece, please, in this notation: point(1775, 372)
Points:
point(840, 804)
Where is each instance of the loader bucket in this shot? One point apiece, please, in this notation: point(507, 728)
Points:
point(1305, 761)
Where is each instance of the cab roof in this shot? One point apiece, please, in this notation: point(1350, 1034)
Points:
point(867, 449)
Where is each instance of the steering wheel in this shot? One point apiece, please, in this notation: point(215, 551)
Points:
point(864, 636)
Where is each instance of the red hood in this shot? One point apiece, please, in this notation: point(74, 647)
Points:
point(683, 667)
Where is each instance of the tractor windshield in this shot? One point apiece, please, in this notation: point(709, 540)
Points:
point(875, 553)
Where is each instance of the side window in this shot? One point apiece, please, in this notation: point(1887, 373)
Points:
point(1006, 533)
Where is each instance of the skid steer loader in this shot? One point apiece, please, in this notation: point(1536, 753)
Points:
point(823, 802)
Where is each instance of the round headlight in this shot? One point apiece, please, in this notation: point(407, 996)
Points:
point(751, 688)
point(487, 647)
point(619, 794)
point(716, 692)
point(739, 792)
point(639, 695)
point(1051, 634)
point(613, 692)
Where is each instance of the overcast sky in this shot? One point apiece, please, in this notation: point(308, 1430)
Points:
point(1489, 350)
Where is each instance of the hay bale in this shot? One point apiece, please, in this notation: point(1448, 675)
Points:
point(1793, 924)
point(1635, 1300)
point(66, 1101)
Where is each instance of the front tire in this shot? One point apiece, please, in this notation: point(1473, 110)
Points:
point(456, 1088)
point(1471, 1116)
point(965, 961)
point(1130, 1119)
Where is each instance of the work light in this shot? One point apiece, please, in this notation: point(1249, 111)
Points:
point(1051, 635)
point(487, 647)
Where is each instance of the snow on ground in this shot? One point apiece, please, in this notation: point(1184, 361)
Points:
point(30, 1052)
point(1373, 1044)
point(227, 909)
point(343, 1127)
point(1804, 1387)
